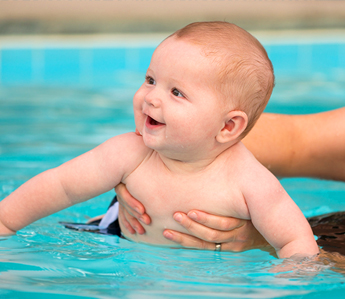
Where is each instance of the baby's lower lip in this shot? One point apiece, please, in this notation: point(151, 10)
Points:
point(152, 123)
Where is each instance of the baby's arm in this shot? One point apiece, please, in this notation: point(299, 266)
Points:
point(276, 216)
point(75, 181)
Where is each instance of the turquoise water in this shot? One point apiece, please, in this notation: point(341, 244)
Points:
point(44, 123)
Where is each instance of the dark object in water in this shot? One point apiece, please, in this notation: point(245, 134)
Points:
point(92, 227)
point(113, 229)
point(330, 230)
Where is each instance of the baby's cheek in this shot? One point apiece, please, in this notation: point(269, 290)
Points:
point(138, 98)
point(139, 119)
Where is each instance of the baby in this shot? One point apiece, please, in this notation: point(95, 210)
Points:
point(206, 86)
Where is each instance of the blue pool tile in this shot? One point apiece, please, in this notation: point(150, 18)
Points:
point(16, 66)
point(109, 67)
point(145, 55)
point(62, 66)
point(108, 60)
point(105, 63)
point(325, 57)
point(284, 58)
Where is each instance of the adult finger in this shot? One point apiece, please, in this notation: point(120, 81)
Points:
point(130, 222)
point(128, 200)
point(203, 232)
point(236, 245)
point(244, 237)
point(188, 241)
point(216, 222)
point(131, 205)
point(144, 218)
point(124, 221)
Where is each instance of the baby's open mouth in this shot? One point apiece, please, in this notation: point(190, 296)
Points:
point(153, 122)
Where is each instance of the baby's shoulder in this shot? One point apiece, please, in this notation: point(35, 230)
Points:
point(250, 171)
point(243, 161)
point(239, 154)
point(129, 141)
point(128, 147)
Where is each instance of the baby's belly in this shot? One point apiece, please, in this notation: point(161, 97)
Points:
point(154, 233)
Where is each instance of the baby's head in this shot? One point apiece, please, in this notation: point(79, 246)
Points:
point(244, 71)
point(206, 86)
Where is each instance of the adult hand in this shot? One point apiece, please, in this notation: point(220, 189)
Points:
point(131, 210)
point(206, 230)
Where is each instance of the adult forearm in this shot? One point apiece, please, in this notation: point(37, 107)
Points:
point(321, 145)
point(301, 145)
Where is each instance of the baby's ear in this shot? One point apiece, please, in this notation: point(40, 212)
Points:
point(235, 123)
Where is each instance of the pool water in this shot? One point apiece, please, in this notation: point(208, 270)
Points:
point(44, 123)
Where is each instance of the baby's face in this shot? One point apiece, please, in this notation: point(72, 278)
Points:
point(177, 109)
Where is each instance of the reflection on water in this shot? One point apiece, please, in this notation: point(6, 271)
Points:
point(47, 258)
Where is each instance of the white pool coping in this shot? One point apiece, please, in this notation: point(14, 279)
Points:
point(279, 37)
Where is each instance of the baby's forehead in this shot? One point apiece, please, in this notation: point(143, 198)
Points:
point(183, 62)
point(180, 50)
point(227, 40)
point(185, 47)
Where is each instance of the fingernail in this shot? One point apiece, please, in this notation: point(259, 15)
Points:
point(193, 215)
point(144, 220)
point(178, 217)
point(141, 232)
point(168, 235)
point(132, 231)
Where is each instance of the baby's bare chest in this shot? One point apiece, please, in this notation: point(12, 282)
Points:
point(164, 193)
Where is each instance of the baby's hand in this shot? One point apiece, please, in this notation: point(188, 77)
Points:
point(298, 265)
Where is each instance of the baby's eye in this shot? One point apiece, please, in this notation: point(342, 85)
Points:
point(150, 80)
point(176, 93)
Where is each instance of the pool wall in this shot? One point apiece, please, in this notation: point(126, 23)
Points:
point(110, 60)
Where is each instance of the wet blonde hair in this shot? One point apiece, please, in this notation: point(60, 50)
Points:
point(245, 73)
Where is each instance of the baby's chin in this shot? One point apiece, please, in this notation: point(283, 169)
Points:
point(139, 125)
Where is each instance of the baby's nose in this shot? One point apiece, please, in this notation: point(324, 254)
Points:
point(153, 99)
